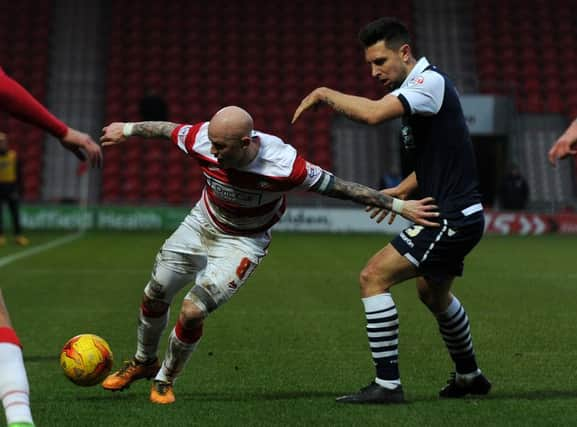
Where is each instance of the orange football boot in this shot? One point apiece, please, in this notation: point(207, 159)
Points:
point(162, 393)
point(131, 371)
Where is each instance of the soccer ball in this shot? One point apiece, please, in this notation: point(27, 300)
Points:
point(86, 359)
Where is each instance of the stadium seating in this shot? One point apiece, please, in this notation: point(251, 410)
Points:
point(202, 58)
point(523, 49)
point(24, 31)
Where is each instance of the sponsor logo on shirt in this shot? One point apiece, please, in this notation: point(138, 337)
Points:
point(231, 194)
point(264, 185)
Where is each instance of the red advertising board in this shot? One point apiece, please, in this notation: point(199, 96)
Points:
point(525, 224)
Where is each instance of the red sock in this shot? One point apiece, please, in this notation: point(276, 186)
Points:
point(9, 335)
point(189, 336)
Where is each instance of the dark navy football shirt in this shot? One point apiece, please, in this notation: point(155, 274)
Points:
point(436, 135)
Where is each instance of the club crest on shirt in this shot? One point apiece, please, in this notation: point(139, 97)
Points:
point(407, 137)
point(419, 80)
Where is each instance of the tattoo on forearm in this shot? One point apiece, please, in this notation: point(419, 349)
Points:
point(154, 129)
point(359, 193)
point(349, 114)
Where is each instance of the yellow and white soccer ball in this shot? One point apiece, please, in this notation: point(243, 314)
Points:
point(86, 359)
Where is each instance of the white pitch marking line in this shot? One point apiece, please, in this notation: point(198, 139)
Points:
point(32, 251)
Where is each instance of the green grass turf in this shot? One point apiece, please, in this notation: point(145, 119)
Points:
point(293, 338)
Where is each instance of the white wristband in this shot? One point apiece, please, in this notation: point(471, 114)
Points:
point(398, 205)
point(127, 129)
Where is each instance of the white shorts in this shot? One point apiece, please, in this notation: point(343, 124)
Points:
point(217, 264)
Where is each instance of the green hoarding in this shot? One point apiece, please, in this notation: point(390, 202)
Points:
point(100, 218)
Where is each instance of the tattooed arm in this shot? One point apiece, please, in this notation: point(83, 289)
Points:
point(347, 190)
point(419, 211)
point(354, 107)
point(117, 132)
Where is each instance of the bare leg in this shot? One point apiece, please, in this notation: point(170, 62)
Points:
point(4, 316)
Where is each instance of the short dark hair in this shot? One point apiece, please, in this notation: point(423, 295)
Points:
point(390, 30)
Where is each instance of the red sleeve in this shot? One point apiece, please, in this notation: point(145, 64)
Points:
point(18, 101)
point(190, 136)
point(295, 180)
point(299, 172)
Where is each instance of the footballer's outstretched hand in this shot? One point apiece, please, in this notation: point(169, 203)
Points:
point(421, 212)
point(113, 134)
point(82, 146)
point(309, 101)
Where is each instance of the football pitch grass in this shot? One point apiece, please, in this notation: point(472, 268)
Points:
point(293, 339)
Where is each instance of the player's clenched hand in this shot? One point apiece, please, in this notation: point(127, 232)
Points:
point(561, 149)
point(82, 146)
point(112, 134)
point(309, 101)
point(421, 211)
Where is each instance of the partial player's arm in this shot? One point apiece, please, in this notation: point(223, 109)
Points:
point(418, 211)
point(402, 191)
point(82, 146)
point(565, 145)
point(354, 107)
point(19, 102)
point(406, 187)
point(117, 132)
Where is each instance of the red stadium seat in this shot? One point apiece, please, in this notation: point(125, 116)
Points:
point(525, 53)
point(533, 103)
point(24, 54)
point(554, 103)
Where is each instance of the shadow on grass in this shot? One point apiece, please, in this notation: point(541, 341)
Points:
point(241, 396)
point(264, 396)
point(534, 395)
point(304, 395)
point(506, 395)
point(113, 396)
point(33, 359)
point(213, 397)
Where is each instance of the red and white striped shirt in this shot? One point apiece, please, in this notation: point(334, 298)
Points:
point(252, 199)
